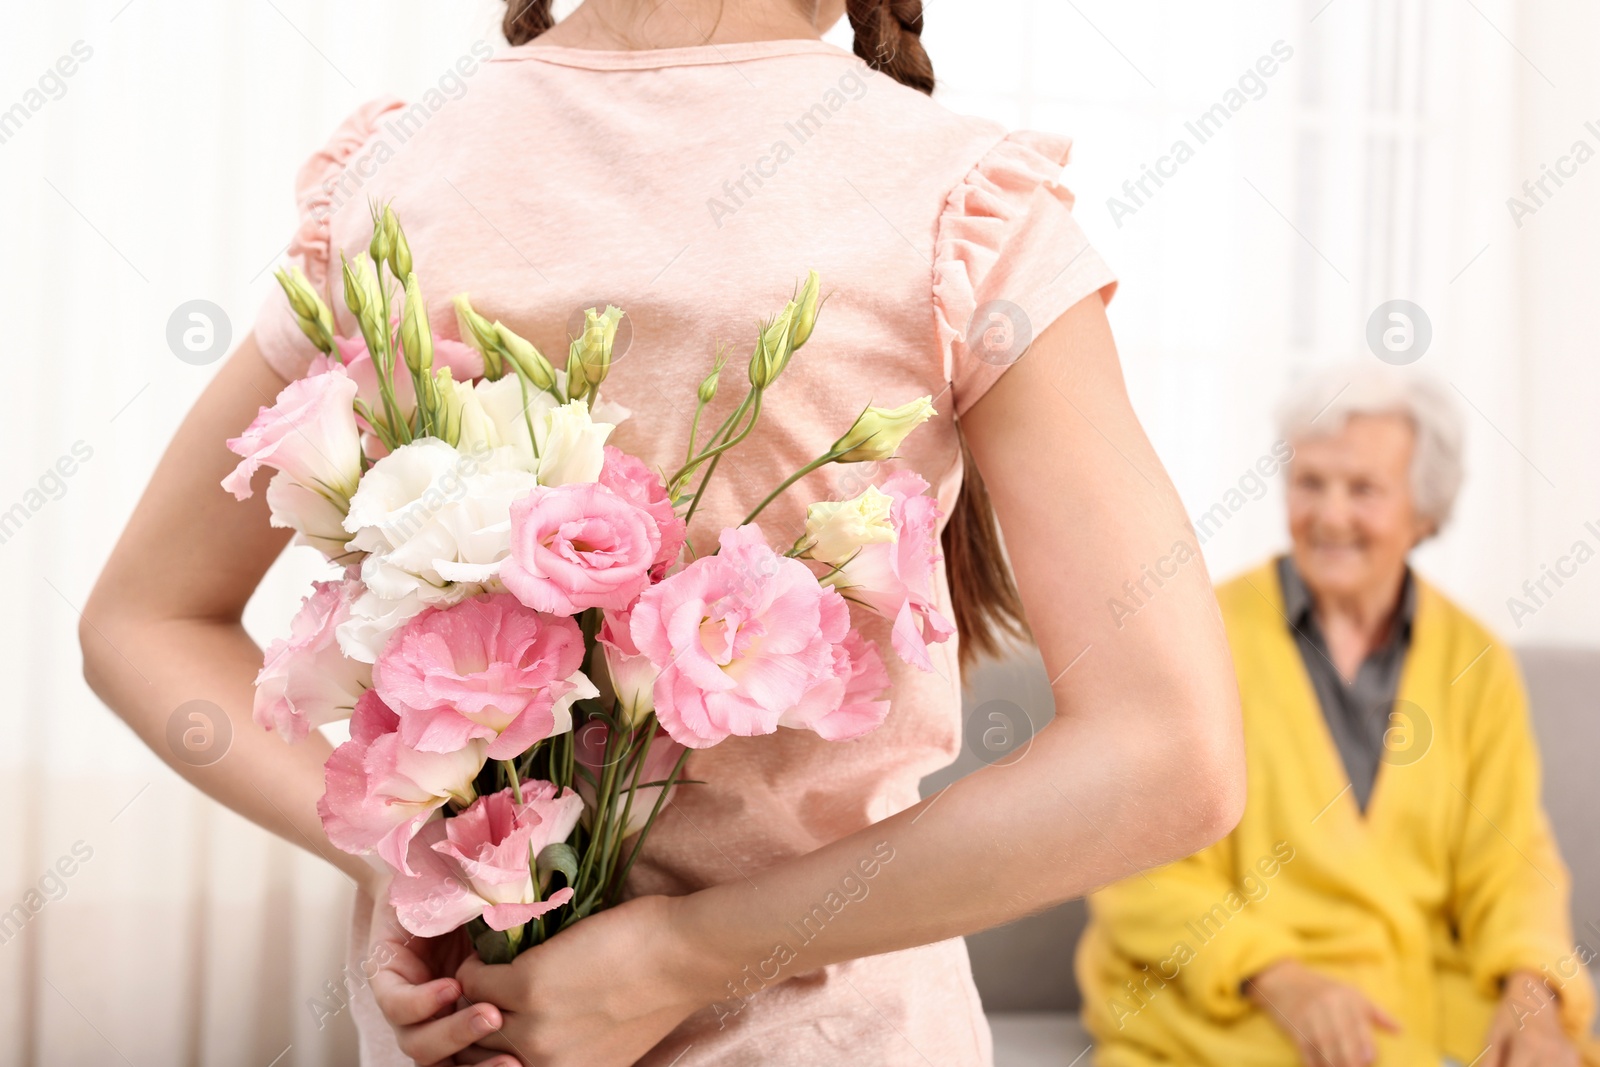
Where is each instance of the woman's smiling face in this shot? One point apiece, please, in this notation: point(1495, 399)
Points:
point(1352, 514)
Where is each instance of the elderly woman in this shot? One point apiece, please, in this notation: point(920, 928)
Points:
point(1393, 894)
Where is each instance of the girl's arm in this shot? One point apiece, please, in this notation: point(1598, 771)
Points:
point(1143, 763)
point(162, 626)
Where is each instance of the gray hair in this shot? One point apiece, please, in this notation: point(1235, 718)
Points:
point(1320, 403)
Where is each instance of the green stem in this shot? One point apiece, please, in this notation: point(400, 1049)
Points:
point(510, 768)
point(694, 432)
point(527, 416)
point(638, 844)
point(705, 480)
point(755, 413)
point(713, 448)
point(602, 806)
point(716, 455)
point(630, 776)
point(383, 360)
point(820, 461)
point(378, 426)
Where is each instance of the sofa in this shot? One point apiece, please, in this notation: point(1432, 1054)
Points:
point(1024, 970)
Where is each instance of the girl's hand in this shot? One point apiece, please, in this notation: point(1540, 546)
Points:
point(601, 994)
point(418, 998)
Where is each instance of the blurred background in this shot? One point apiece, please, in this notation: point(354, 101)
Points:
point(1395, 153)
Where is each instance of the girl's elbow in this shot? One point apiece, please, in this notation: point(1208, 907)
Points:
point(1192, 775)
point(1210, 775)
point(101, 630)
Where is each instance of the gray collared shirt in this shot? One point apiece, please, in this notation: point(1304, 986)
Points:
point(1358, 713)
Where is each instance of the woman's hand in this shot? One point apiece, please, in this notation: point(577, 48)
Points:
point(601, 994)
point(418, 997)
point(1526, 1030)
point(1329, 1022)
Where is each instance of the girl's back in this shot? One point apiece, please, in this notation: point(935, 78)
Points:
point(694, 187)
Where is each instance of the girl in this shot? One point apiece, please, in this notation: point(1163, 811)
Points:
point(688, 161)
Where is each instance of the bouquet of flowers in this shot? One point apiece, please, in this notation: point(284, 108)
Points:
point(522, 637)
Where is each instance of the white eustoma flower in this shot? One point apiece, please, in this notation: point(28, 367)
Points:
point(316, 520)
point(571, 445)
point(373, 620)
point(571, 437)
point(435, 522)
point(836, 529)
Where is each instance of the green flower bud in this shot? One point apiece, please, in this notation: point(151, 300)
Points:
point(364, 296)
point(416, 334)
point(773, 348)
point(708, 388)
point(478, 333)
point(400, 252)
point(382, 243)
point(313, 315)
point(592, 351)
point(806, 317)
point(878, 432)
point(450, 406)
point(529, 359)
point(354, 293)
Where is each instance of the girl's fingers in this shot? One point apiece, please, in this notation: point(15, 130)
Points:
point(486, 1058)
point(497, 1042)
point(499, 983)
point(402, 960)
point(405, 1003)
point(440, 1040)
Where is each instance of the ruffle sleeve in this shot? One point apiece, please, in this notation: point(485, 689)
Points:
point(321, 192)
point(1009, 258)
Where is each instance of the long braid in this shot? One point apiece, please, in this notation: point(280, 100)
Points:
point(889, 37)
point(526, 19)
point(983, 591)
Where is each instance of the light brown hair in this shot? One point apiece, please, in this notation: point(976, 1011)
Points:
point(983, 591)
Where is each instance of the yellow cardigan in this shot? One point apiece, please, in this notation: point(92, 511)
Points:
point(1451, 880)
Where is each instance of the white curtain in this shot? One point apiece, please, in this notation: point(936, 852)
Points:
point(1373, 163)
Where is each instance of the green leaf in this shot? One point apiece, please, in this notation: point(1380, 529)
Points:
point(493, 946)
point(560, 857)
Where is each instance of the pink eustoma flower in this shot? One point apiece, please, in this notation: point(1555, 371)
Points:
point(632, 675)
point(740, 638)
point(380, 792)
point(479, 863)
point(846, 704)
point(629, 478)
point(579, 546)
point(895, 579)
point(305, 681)
point(309, 433)
point(485, 668)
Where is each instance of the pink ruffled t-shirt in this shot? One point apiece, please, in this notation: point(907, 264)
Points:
point(693, 187)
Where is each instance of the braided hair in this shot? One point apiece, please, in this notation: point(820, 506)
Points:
point(888, 35)
point(526, 19)
point(983, 592)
